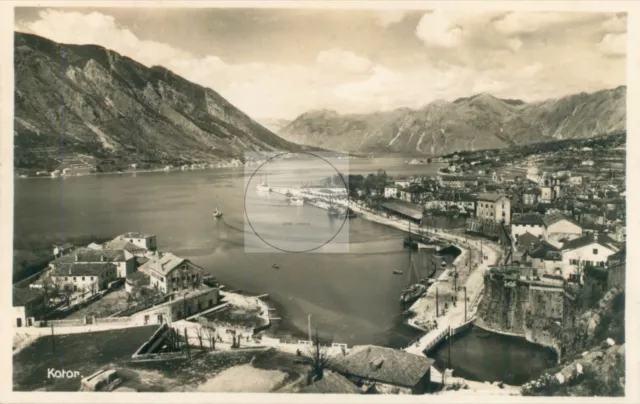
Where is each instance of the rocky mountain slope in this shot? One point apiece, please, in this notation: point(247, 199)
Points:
point(89, 100)
point(473, 123)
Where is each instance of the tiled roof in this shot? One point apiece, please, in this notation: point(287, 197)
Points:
point(406, 208)
point(386, 365)
point(83, 269)
point(490, 197)
point(555, 217)
point(163, 265)
point(585, 240)
point(22, 296)
point(528, 218)
point(91, 255)
point(331, 383)
point(121, 244)
point(545, 251)
point(527, 240)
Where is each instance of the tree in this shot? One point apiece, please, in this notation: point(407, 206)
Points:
point(66, 293)
point(319, 358)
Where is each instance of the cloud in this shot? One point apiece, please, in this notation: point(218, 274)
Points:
point(519, 23)
point(617, 24)
point(386, 18)
point(613, 45)
point(342, 60)
point(440, 29)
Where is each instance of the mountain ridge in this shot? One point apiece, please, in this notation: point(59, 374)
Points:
point(481, 121)
point(90, 100)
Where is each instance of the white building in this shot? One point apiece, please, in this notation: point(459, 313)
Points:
point(493, 207)
point(589, 250)
point(390, 191)
point(528, 223)
point(143, 240)
point(559, 229)
point(546, 194)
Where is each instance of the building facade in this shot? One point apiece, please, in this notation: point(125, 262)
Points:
point(85, 276)
point(169, 273)
point(493, 207)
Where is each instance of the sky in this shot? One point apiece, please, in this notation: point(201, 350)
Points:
point(280, 63)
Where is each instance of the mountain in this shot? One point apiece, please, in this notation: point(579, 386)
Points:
point(473, 123)
point(274, 125)
point(91, 101)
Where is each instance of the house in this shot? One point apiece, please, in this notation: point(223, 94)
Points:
point(390, 191)
point(181, 305)
point(331, 383)
point(528, 223)
point(126, 245)
point(545, 257)
point(415, 193)
point(493, 207)
point(591, 250)
point(455, 181)
point(170, 273)
point(558, 229)
point(546, 194)
point(462, 201)
point(143, 240)
point(85, 276)
point(402, 183)
point(386, 368)
point(588, 163)
point(28, 304)
point(575, 180)
point(123, 260)
point(530, 196)
point(62, 249)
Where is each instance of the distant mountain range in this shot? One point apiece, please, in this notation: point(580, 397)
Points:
point(274, 125)
point(478, 122)
point(92, 101)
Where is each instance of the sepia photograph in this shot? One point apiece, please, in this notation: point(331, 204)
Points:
point(318, 200)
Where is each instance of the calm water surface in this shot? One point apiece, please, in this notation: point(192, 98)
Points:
point(352, 297)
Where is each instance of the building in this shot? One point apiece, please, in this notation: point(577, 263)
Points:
point(528, 223)
point(531, 196)
point(558, 229)
point(575, 180)
point(415, 193)
point(85, 276)
point(455, 181)
point(544, 257)
point(181, 304)
point(62, 249)
point(616, 265)
point(404, 210)
point(546, 194)
point(28, 304)
point(170, 273)
point(146, 241)
point(390, 191)
point(385, 368)
point(588, 163)
point(123, 260)
point(462, 201)
point(493, 207)
point(591, 250)
point(126, 245)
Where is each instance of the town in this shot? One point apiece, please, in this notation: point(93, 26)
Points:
point(551, 238)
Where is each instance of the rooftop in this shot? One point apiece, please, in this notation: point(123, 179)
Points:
point(331, 383)
point(527, 240)
point(121, 244)
point(406, 208)
point(587, 239)
point(165, 263)
point(528, 218)
point(387, 365)
point(83, 269)
point(134, 234)
point(91, 255)
point(23, 296)
point(490, 197)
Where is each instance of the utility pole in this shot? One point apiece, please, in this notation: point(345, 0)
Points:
point(465, 304)
point(450, 335)
point(437, 309)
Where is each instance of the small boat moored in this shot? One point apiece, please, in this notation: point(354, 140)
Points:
point(275, 266)
point(396, 272)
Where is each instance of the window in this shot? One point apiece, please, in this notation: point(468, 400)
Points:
point(83, 278)
point(74, 278)
point(92, 278)
point(595, 251)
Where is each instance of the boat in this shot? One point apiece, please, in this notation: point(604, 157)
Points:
point(412, 294)
point(296, 201)
point(264, 186)
point(333, 211)
point(217, 213)
point(275, 266)
point(396, 272)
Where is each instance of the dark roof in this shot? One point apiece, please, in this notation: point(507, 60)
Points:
point(331, 383)
point(529, 218)
point(490, 197)
point(166, 263)
point(555, 217)
point(587, 239)
point(545, 251)
point(618, 258)
point(386, 365)
point(141, 260)
point(83, 269)
point(23, 296)
point(406, 208)
point(91, 255)
point(527, 239)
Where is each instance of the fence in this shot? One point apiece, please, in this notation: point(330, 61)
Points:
point(434, 341)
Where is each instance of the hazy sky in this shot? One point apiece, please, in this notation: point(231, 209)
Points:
point(280, 63)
